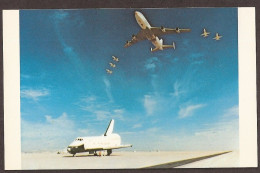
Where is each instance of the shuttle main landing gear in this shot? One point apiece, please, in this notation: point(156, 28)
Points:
point(95, 153)
point(109, 152)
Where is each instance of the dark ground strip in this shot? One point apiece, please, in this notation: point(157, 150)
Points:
point(183, 162)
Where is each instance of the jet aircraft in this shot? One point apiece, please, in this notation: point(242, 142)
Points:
point(217, 37)
point(94, 144)
point(152, 33)
point(115, 58)
point(205, 33)
point(109, 71)
point(112, 65)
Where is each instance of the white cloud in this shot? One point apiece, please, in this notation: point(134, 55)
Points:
point(137, 125)
point(197, 58)
point(52, 134)
point(34, 94)
point(59, 20)
point(220, 135)
point(102, 115)
point(152, 63)
point(189, 110)
point(89, 98)
point(108, 89)
point(152, 130)
point(119, 111)
point(118, 114)
point(177, 90)
point(149, 104)
point(233, 111)
point(102, 110)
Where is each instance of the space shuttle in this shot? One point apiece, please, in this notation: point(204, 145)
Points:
point(97, 145)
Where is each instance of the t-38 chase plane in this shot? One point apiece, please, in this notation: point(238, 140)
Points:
point(93, 144)
point(152, 33)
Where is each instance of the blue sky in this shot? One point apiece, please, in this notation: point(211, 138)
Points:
point(183, 99)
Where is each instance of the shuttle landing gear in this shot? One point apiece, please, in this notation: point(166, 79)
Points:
point(74, 154)
point(109, 152)
point(95, 153)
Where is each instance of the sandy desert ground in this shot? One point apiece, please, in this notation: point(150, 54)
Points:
point(125, 160)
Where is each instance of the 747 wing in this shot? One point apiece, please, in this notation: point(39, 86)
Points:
point(135, 38)
point(158, 31)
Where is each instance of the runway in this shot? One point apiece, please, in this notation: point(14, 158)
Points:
point(130, 160)
point(184, 162)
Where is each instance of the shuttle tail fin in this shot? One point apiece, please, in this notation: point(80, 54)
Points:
point(110, 128)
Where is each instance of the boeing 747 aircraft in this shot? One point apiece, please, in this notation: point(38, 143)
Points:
point(93, 144)
point(152, 33)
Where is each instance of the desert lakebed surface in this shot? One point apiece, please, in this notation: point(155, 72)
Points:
point(126, 160)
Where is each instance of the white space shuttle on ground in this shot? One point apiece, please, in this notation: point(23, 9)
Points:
point(152, 33)
point(95, 144)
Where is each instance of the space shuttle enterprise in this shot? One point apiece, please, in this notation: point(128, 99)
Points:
point(97, 145)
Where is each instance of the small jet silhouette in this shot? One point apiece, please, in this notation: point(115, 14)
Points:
point(109, 71)
point(112, 65)
point(115, 58)
point(217, 37)
point(205, 33)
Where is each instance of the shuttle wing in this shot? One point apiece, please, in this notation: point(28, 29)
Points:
point(158, 31)
point(135, 38)
point(120, 146)
point(107, 148)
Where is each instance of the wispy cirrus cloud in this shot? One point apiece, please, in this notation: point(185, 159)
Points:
point(197, 58)
point(177, 89)
point(152, 63)
point(100, 109)
point(189, 110)
point(137, 125)
point(108, 89)
point(149, 104)
point(222, 134)
point(233, 111)
point(34, 94)
point(59, 20)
